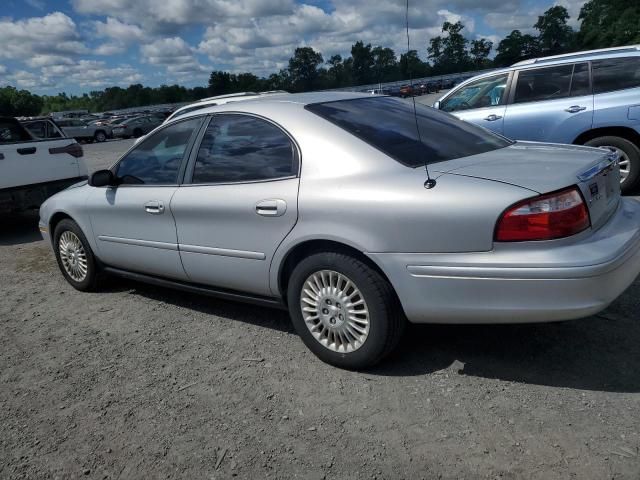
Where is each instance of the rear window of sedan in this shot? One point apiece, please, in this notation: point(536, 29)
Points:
point(389, 124)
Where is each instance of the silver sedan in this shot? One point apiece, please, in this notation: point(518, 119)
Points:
point(356, 215)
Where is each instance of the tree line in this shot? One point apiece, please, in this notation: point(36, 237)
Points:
point(604, 23)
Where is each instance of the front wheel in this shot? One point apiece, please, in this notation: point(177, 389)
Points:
point(629, 159)
point(345, 312)
point(75, 257)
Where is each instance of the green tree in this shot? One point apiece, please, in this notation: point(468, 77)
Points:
point(385, 64)
point(480, 50)
point(411, 66)
point(219, 83)
point(515, 47)
point(449, 52)
point(14, 102)
point(303, 68)
point(363, 63)
point(555, 35)
point(609, 23)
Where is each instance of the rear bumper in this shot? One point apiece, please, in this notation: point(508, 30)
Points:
point(521, 283)
point(26, 197)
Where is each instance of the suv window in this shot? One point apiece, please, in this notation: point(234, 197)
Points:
point(615, 74)
point(12, 131)
point(389, 125)
point(547, 83)
point(240, 148)
point(157, 160)
point(485, 92)
point(37, 129)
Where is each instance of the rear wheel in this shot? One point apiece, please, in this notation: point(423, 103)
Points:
point(75, 257)
point(345, 311)
point(100, 136)
point(629, 159)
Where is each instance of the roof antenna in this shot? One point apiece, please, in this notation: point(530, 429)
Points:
point(430, 182)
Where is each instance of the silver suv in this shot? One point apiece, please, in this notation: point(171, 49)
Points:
point(585, 98)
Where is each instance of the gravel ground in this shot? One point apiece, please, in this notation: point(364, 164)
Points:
point(143, 382)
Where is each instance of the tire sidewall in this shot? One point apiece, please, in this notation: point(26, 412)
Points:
point(89, 281)
point(632, 152)
point(379, 329)
point(100, 136)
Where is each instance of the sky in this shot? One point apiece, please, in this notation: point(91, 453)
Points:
point(75, 46)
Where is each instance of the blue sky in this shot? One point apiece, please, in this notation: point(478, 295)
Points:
point(76, 46)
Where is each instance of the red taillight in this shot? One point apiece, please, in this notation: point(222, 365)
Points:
point(546, 217)
point(72, 149)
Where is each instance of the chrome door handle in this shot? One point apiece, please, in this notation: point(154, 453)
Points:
point(271, 208)
point(154, 207)
point(493, 118)
point(575, 109)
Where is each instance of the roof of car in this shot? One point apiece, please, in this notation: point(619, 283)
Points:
point(583, 55)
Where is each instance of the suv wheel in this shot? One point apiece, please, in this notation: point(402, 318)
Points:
point(100, 136)
point(629, 159)
point(75, 257)
point(345, 312)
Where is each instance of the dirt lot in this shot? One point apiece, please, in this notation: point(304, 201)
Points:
point(142, 382)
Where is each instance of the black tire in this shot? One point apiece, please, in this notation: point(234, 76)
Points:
point(386, 319)
point(99, 136)
point(137, 133)
point(631, 151)
point(91, 280)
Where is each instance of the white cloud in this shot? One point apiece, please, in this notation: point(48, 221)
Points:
point(119, 31)
point(53, 34)
point(92, 73)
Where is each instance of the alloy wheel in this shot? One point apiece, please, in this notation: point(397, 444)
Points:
point(623, 161)
point(335, 311)
point(73, 256)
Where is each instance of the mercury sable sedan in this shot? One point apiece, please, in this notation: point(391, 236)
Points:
point(319, 203)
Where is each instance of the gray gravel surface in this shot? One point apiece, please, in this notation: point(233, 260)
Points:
point(143, 382)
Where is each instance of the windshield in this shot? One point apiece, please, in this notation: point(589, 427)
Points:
point(389, 125)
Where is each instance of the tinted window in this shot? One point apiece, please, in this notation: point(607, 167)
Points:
point(580, 80)
point(543, 84)
point(616, 74)
point(37, 129)
point(53, 131)
point(238, 148)
point(12, 131)
point(157, 159)
point(389, 125)
point(485, 92)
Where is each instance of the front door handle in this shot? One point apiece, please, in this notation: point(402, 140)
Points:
point(575, 109)
point(271, 208)
point(155, 207)
point(493, 118)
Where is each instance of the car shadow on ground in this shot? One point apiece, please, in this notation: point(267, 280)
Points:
point(18, 229)
point(600, 353)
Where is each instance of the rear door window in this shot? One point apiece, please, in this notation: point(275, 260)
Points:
point(389, 125)
point(541, 84)
point(242, 148)
point(615, 74)
point(580, 84)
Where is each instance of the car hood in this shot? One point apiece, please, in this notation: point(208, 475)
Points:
point(540, 167)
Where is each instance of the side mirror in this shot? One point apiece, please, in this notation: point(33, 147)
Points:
point(102, 178)
point(436, 105)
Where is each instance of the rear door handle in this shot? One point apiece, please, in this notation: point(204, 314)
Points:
point(271, 208)
point(575, 109)
point(27, 151)
point(493, 118)
point(155, 207)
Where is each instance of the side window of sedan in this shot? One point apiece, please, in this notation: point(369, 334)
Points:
point(240, 148)
point(157, 160)
point(485, 92)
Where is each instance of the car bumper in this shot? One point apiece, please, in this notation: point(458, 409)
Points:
point(521, 283)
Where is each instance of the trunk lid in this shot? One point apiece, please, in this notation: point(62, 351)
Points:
point(544, 168)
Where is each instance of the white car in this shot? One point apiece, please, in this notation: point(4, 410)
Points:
point(32, 170)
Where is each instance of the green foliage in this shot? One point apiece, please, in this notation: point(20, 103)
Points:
point(15, 102)
point(609, 23)
point(605, 23)
point(555, 35)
